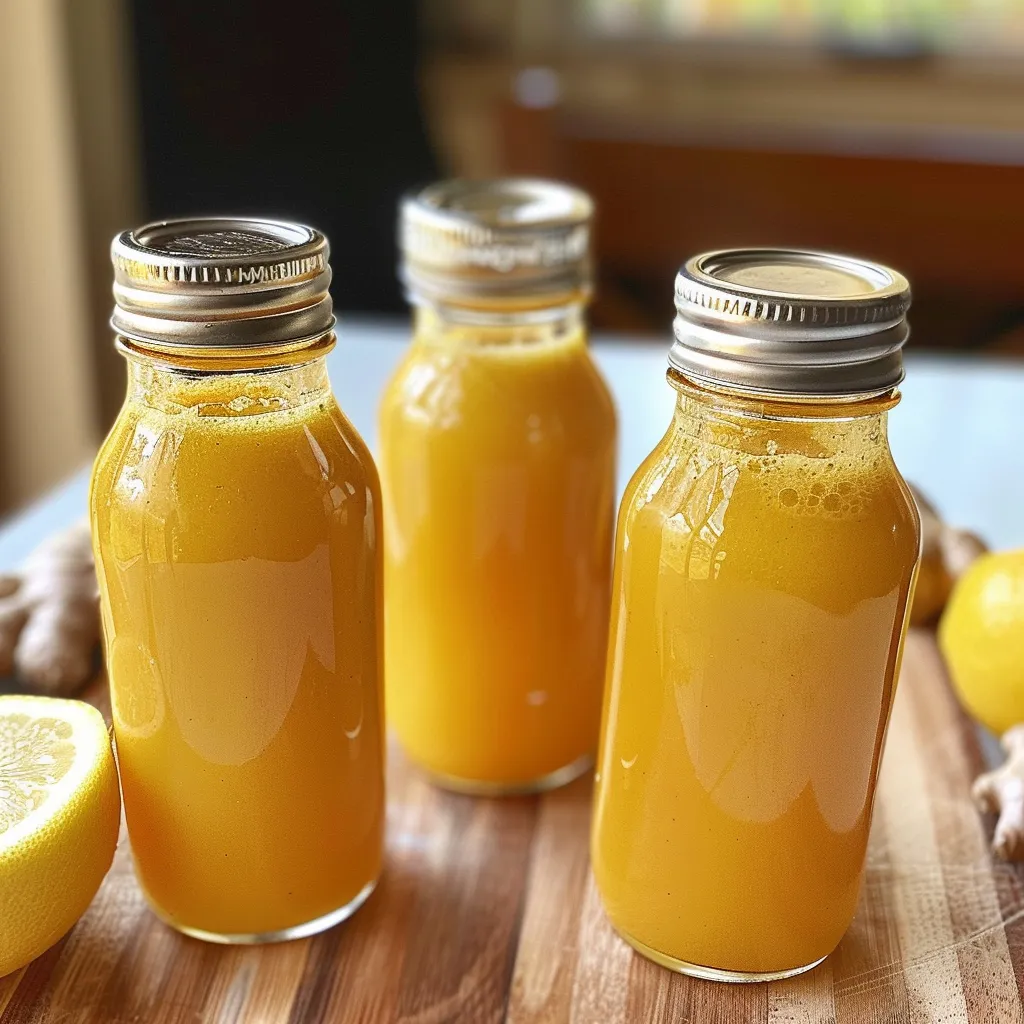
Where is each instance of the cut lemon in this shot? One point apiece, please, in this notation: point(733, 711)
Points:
point(60, 811)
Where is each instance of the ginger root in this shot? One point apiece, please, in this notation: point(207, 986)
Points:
point(946, 552)
point(49, 614)
point(1002, 792)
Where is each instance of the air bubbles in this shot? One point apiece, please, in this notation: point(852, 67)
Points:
point(804, 486)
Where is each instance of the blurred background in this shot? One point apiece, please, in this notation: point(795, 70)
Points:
point(891, 129)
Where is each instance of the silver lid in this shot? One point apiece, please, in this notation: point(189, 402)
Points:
point(507, 238)
point(786, 321)
point(221, 282)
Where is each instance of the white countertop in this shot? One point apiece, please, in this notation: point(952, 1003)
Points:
point(957, 433)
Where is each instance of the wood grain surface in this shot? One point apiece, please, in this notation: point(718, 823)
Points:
point(487, 913)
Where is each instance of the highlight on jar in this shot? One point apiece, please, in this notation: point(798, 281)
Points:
point(236, 522)
point(497, 458)
point(765, 563)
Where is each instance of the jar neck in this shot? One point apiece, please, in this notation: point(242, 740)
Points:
point(437, 324)
point(246, 390)
point(778, 425)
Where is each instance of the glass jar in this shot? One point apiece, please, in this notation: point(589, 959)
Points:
point(765, 561)
point(497, 462)
point(236, 523)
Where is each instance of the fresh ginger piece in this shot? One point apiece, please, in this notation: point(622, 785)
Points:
point(49, 614)
point(946, 552)
point(959, 549)
point(1002, 792)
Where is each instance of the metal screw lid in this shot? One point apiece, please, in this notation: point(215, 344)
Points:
point(221, 283)
point(509, 238)
point(790, 322)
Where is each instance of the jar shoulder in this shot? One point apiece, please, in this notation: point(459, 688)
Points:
point(684, 476)
point(437, 388)
point(303, 458)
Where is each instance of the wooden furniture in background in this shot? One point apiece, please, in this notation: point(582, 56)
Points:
point(918, 163)
point(487, 913)
point(954, 228)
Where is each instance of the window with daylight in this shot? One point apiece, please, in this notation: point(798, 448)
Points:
point(898, 27)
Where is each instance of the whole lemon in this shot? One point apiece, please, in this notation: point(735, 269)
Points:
point(60, 811)
point(982, 638)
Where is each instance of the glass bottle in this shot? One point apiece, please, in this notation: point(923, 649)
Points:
point(236, 523)
point(497, 463)
point(765, 561)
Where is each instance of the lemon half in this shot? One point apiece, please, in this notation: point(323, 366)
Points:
point(60, 811)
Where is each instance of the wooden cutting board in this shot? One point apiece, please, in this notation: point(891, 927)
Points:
point(487, 913)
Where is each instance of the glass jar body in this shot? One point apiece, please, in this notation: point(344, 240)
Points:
point(497, 462)
point(236, 523)
point(765, 561)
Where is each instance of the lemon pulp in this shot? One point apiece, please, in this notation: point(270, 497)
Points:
point(60, 811)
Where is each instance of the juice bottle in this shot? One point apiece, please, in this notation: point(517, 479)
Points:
point(236, 523)
point(497, 463)
point(765, 559)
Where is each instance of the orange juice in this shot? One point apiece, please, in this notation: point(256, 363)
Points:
point(497, 465)
point(768, 566)
point(237, 529)
point(497, 461)
point(765, 558)
point(238, 553)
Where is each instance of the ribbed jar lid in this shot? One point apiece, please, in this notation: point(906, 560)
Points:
point(221, 283)
point(790, 322)
point(506, 238)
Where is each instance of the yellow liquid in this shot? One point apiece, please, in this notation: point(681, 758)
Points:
point(497, 462)
point(236, 525)
point(763, 574)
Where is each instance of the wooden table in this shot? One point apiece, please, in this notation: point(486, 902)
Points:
point(487, 911)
